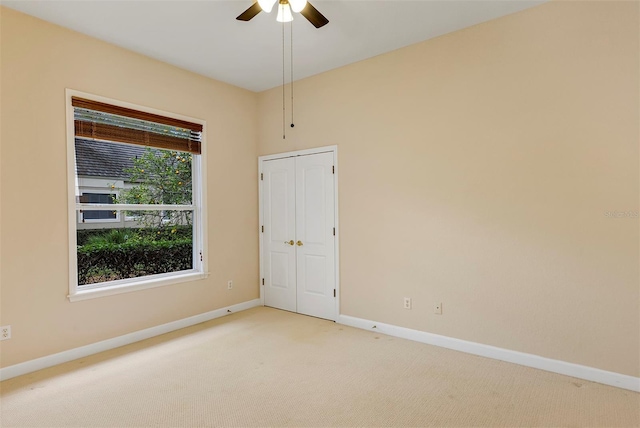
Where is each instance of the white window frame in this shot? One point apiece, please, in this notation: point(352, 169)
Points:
point(199, 206)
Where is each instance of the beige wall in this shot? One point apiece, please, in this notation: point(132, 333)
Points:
point(39, 61)
point(476, 170)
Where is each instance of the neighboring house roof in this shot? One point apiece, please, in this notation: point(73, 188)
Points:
point(105, 159)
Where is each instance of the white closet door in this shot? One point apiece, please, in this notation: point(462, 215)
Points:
point(314, 236)
point(279, 251)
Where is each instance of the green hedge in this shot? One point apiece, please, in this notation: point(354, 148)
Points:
point(109, 261)
point(170, 233)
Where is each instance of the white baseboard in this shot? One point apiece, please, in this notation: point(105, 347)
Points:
point(116, 342)
point(529, 360)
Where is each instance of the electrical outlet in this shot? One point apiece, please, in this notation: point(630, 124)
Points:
point(407, 302)
point(229, 285)
point(5, 332)
point(437, 309)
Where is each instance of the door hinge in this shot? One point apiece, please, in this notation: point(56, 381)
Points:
point(261, 176)
point(262, 281)
point(334, 292)
point(200, 255)
point(333, 169)
point(262, 228)
point(334, 231)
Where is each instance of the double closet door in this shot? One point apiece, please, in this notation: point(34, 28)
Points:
point(298, 250)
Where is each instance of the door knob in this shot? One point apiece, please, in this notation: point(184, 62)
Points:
point(289, 242)
point(299, 243)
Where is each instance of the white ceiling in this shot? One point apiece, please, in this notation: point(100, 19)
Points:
point(204, 36)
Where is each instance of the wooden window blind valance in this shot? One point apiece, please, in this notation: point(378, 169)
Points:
point(101, 121)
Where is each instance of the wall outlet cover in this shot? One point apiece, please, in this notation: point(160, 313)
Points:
point(5, 332)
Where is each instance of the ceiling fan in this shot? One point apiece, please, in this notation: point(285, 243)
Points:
point(284, 11)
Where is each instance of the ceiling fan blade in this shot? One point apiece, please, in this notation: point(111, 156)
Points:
point(313, 16)
point(250, 13)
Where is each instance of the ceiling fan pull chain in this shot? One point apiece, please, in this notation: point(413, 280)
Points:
point(291, 29)
point(283, 85)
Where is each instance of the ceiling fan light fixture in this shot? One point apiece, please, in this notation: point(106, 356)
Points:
point(266, 5)
point(297, 5)
point(284, 13)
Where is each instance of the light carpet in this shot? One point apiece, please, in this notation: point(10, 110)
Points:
point(265, 367)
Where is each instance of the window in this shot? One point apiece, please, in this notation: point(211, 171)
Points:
point(136, 205)
point(98, 198)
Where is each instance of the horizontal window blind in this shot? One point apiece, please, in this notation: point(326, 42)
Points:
point(101, 121)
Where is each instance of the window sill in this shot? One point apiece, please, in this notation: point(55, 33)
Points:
point(143, 284)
